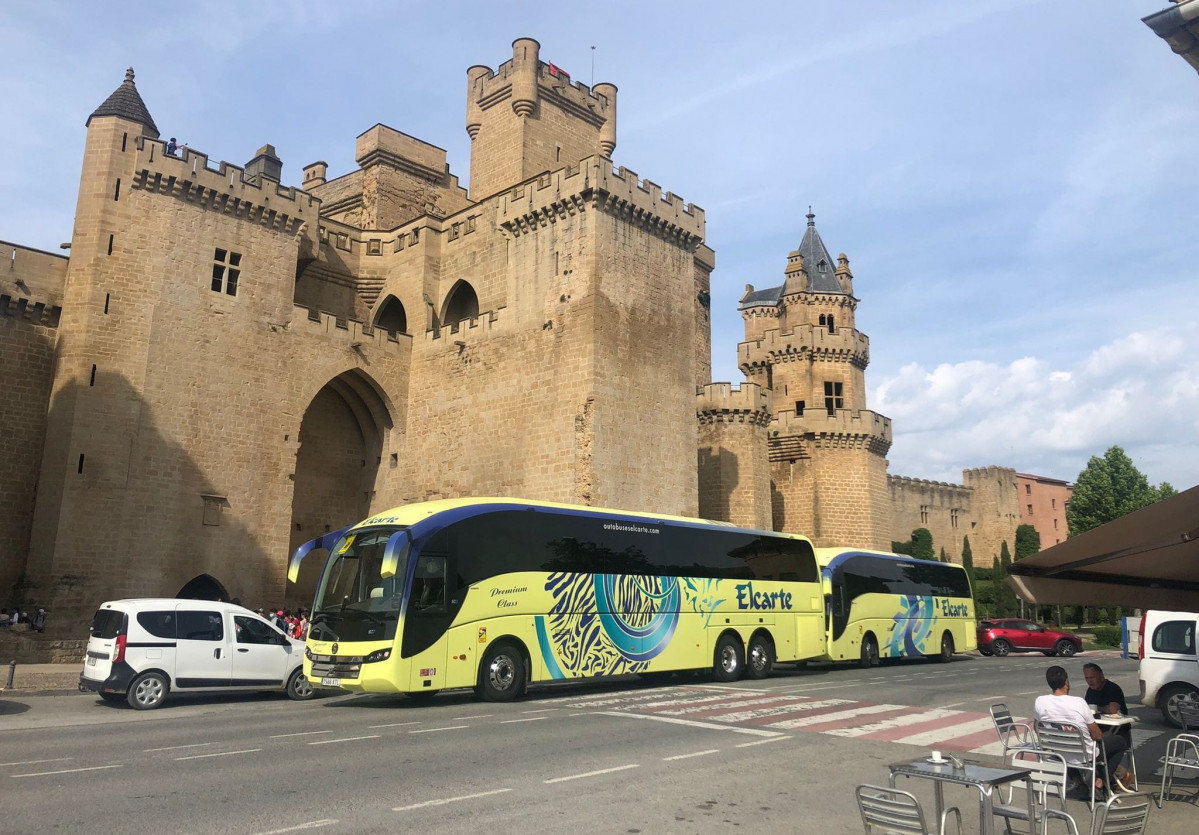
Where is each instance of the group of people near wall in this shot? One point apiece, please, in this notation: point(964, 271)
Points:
point(36, 622)
point(295, 625)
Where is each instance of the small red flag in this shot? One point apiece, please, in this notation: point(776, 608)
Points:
point(556, 70)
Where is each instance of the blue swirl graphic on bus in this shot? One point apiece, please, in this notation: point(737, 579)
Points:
point(605, 624)
point(913, 622)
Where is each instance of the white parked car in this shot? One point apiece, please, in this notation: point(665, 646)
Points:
point(1169, 665)
point(142, 650)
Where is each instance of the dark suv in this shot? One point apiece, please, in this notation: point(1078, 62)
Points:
point(999, 637)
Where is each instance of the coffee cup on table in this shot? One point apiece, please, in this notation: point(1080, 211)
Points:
point(936, 757)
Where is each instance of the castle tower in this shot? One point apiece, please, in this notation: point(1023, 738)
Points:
point(734, 470)
point(527, 118)
point(827, 450)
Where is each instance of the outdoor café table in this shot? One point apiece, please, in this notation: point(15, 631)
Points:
point(1120, 724)
point(985, 778)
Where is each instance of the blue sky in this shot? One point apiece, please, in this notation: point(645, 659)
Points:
point(1013, 182)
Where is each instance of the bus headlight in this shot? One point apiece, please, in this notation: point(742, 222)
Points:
point(378, 655)
point(308, 653)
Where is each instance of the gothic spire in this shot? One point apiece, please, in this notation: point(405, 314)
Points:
point(126, 103)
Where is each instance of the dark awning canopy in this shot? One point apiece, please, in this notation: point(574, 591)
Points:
point(1148, 560)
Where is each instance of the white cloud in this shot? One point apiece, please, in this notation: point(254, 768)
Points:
point(1140, 392)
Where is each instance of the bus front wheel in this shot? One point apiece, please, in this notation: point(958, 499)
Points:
point(502, 677)
point(730, 659)
point(869, 652)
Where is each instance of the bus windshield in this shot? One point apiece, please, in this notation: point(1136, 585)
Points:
point(354, 602)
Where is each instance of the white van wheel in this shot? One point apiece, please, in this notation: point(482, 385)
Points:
point(148, 691)
point(299, 687)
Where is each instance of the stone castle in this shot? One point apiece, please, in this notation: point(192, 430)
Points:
point(226, 367)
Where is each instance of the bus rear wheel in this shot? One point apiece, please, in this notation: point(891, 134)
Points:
point(759, 657)
point(869, 652)
point(946, 648)
point(502, 676)
point(729, 661)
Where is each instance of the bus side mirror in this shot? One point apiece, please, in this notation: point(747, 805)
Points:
point(396, 544)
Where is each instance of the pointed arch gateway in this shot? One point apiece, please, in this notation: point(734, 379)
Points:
point(344, 435)
point(461, 304)
point(203, 587)
point(392, 317)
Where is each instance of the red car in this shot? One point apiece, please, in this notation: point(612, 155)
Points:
point(999, 637)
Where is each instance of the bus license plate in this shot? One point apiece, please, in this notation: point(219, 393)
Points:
point(330, 682)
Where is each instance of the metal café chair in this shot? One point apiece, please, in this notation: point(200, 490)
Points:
point(1013, 734)
point(891, 811)
point(1048, 775)
point(1081, 753)
point(1123, 814)
point(1182, 752)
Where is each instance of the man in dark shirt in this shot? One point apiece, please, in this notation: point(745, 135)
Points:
point(1106, 696)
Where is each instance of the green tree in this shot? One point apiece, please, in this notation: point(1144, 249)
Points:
point(1108, 488)
point(1028, 541)
point(904, 548)
point(1005, 596)
point(944, 557)
point(968, 562)
point(922, 544)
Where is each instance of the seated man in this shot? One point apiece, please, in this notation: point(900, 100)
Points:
point(1060, 706)
point(1106, 696)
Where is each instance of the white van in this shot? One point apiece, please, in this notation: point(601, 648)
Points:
point(1169, 665)
point(141, 650)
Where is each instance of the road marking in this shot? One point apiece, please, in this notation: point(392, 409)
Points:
point(711, 726)
point(955, 704)
point(435, 730)
point(804, 689)
point(455, 719)
point(530, 719)
point(446, 800)
point(543, 710)
point(591, 773)
point(298, 827)
point(221, 754)
point(176, 747)
point(836, 716)
point(66, 771)
point(689, 756)
point(392, 725)
point(36, 762)
point(299, 733)
point(762, 741)
point(345, 739)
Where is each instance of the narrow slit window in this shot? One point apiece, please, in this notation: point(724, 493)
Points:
point(116, 192)
point(110, 237)
point(80, 470)
point(92, 382)
point(107, 296)
point(124, 141)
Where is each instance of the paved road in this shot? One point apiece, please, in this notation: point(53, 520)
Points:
point(781, 755)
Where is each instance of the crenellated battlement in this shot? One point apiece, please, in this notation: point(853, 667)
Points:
point(842, 422)
point(489, 88)
point(803, 343)
point(470, 330)
point(903, 482)
point(721, 403)
point(351, 333)
point(224, 189)
point(35, 313)
point(992, 472)
point(595, 181)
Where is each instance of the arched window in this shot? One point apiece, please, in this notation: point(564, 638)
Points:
point(823, 319)
point(460, 304)
point(831, 328)
point(392, 317)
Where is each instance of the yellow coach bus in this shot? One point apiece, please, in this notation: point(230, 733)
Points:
point(880, 605)
point(496, 593)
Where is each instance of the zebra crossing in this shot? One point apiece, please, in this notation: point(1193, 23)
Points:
point(762, 712)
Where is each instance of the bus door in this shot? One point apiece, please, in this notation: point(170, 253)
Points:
point(427, 620)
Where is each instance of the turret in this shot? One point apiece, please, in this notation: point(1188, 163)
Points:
point(528, 117)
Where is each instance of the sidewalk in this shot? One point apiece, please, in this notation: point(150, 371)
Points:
point(41, 678)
